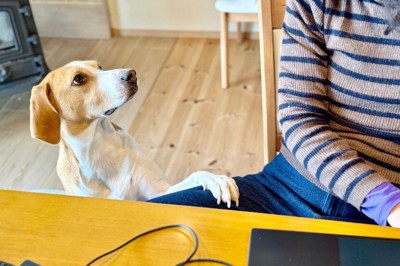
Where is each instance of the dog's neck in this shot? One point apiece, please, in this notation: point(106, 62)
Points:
point(82, 137)
point(96, 147)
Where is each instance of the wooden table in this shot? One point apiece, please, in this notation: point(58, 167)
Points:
point(62, 230)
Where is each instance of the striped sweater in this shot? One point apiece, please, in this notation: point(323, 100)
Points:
point(339, 95)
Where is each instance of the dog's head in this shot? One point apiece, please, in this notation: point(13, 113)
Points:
point(77, 92)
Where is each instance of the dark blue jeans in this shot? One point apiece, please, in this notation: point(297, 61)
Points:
point(278, 189)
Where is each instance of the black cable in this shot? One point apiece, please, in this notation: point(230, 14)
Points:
point(206, 260)
point(187, 261)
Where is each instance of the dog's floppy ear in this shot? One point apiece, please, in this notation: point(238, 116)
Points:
point(44, 120)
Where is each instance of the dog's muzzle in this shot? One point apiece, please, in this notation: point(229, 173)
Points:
point(131, 81)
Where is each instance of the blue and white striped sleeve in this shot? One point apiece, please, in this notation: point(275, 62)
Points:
point(304, 101)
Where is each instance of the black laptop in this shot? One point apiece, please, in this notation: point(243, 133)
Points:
point(280, 248)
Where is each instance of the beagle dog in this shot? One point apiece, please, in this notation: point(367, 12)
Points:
point(97, 158)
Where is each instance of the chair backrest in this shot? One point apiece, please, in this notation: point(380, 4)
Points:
point(277, 54)
point(271, 13)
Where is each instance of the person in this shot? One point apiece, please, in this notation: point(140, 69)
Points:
point(339, 110)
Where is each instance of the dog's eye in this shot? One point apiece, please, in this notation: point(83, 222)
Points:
point(78, 80)
point(99, 67)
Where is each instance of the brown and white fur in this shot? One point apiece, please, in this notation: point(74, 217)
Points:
point(97, 158)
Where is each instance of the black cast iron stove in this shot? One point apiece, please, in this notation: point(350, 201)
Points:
point(22, 63)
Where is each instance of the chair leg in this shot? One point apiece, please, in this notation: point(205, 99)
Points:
point(224, 51)
point(239, 37)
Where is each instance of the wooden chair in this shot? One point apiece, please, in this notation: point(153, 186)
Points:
point(238, 11)
point(271, 13)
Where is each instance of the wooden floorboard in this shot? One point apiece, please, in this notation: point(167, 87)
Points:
point(180, 117)
point(189, 123)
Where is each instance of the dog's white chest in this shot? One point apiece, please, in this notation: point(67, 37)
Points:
point(103, 165)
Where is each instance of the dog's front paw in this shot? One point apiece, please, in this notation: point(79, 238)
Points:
point(222, 187)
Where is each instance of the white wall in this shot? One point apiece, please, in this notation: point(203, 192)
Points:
point(173, 15)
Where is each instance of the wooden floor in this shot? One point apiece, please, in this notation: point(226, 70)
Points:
point(181, 117)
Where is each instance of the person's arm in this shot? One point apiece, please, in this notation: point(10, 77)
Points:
point(380, 202)
point(303, 107)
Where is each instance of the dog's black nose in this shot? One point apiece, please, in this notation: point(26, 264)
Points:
point(130, 75)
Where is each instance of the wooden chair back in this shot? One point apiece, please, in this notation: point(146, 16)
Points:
point(271, 13)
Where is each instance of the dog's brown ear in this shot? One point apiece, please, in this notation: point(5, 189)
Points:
point(44, 120)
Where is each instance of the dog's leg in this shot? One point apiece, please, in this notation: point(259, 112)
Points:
point(222, 187)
